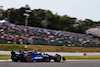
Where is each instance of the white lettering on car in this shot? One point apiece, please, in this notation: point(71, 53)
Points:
point(38, 57)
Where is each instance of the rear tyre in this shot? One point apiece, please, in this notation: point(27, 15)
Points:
point(57, 58)
point(14, 59)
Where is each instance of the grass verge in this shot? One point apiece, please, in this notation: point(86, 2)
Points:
point(82, 57)
point(48, 48)
point(3, 57)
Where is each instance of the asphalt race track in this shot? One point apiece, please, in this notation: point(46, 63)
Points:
point(70, 63)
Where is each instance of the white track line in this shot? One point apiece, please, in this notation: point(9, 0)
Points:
point(6, 60)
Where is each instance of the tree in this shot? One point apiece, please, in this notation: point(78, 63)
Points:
point(46, 19)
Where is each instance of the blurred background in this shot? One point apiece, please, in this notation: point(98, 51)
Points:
point(51, 26)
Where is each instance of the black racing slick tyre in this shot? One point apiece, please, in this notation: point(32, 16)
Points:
point(28, 58)
point(14, 59)
point(57, 58)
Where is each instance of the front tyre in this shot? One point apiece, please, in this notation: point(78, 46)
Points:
point(57, 58)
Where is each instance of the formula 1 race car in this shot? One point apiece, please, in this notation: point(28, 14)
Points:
point(31, 56)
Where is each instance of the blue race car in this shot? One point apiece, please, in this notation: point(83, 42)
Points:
point(32, 55)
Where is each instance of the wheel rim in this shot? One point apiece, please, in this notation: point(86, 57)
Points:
point(28, 58)
point(58, 58)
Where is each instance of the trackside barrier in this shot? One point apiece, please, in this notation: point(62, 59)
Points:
point(84, 54)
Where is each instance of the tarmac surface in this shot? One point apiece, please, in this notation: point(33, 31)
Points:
point(68, 63)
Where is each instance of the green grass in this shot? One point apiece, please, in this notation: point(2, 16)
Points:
point(10, 44)
point(48, 48)
point(3, 57)
point(82, 57)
